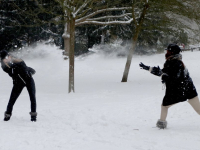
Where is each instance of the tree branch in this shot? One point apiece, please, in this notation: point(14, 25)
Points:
point(106, 17)
point(80, 8)
point(104, 23)
point(100, 11)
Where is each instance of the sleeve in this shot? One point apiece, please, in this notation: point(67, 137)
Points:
point(25, 70)
point(22, 66)
point(173, 71)
point(7, 69)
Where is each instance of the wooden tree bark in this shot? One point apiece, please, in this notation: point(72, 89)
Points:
point(129, 59)
point(135, 38)
point(67, 39)
point(71, 55)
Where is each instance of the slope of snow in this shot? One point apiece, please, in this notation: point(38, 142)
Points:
point(103, 113)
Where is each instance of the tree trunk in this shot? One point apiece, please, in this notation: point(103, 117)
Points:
point(129, 59)
point(135, 38)
point(66, 46)
point(66, 37)
point(71, 55)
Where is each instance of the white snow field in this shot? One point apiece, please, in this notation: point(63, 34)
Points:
point(103, 113)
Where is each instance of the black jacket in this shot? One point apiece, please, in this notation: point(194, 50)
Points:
point(18, 71)
point(179, 85)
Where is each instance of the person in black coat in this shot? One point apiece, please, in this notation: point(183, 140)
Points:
point(22, 77)
point(179, 85)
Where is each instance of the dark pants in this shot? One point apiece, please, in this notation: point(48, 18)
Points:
point(17, 89)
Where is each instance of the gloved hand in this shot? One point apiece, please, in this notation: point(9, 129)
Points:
point(164, 77)
point(143, 66)
point(156, 71)
point(31, 70)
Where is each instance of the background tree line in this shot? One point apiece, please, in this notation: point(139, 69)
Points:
point(23, 23)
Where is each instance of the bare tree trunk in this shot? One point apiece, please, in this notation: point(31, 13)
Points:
point(129, 59)
point(66, 46)
point(66, 37)
point(71, 55)
point(135, 38)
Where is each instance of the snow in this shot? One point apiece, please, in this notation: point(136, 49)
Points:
point(103, 113)
point(196, 46)
point(66, 33)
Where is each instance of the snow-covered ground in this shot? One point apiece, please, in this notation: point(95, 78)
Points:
point(103, 113)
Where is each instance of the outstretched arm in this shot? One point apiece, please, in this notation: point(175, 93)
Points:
point(154, 70)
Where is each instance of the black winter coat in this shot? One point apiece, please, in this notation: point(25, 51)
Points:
point(18, 71)
point(179, 85)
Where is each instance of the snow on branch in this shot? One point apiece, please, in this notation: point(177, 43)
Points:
point(106, 17)
point(100, 11)
point(49, 31)
point(66, 33)
point(104, 23)
point(79, 9)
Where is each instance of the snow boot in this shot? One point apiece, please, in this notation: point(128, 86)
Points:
point(7, 116)
point(161, 124)
point(33, 116)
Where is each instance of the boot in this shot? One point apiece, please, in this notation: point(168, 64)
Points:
point(7, 116)
point(33, 116)
point(161, 124)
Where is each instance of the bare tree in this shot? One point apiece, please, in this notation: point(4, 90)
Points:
point(169, 13)
point(80, 12)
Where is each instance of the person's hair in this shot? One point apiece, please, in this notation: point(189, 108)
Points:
point(170, 53)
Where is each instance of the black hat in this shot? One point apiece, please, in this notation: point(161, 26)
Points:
point(3, 54)
point(173, 48)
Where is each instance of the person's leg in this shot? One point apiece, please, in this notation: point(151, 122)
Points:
point(32, 91)
point(162, 123)
point(164, 112)
point(194, 102)
point(16, 91)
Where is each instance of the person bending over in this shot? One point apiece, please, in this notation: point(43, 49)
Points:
point(22, 77)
